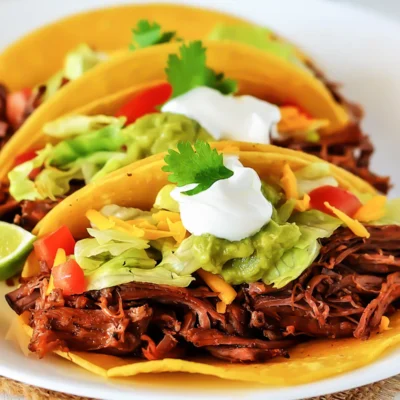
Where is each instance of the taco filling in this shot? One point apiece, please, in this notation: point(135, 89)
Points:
point(224, 263)
point(195, 103)
point(17, 106)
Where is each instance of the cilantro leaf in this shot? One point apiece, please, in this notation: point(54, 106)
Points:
point(190, 70)
point(146, 34)
point(201, 165)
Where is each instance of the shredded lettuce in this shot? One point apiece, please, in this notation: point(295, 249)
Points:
point(108, 236)
point(392, 214)
point(259, 37)
point(112, 257)
point(21, 187)
point(108, 138)
point(73, 125)
point(76, 63)
point(317, 219)
point(87, 155)
point(313, 225)
point(313, 176)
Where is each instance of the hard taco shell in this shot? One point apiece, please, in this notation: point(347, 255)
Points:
point(258, 73)
point(141, 181)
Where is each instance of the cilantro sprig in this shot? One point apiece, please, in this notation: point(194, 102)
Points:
point(190, 70)
point(201, 165)
point(148, 34)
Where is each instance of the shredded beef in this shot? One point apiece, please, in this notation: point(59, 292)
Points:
point(335, 297)
point(7, 127)
point(32, 211)
point(349, 149)
point(340, 295)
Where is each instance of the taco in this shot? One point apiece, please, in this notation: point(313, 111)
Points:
point(57, 153)
point(66, 49)
point(221, 261)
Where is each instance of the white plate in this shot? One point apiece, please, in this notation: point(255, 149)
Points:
point(353, 46)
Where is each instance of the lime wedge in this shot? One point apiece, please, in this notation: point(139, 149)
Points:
point(15, 246)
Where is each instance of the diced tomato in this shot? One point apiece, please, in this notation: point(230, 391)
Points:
point(24, 157)
point(27, 156)
point(145, 102)
point(16, 105)
point(336, 197)
point(47, 246)
point(69, 277)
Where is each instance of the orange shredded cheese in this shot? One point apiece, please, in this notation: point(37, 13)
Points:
point(221, 307)
point(355, 226)
point(372, 210)
point(289, 185)
point(99, 220)
point(384, 325)
point(50, 286)
point(304, 204)
point(60, 258)
point(167, 224)
point(225, 291)
point(164, 215)
point(293, 122)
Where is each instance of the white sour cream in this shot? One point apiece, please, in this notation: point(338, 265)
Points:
point(241, 118)
point(231, 209)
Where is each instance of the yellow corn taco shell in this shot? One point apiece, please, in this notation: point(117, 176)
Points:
point(258, 73)
point(141, 181)
point(106, 30)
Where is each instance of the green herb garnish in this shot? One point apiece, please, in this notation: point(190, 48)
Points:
point(190, 71)
point(148, 34)
point(201, 165)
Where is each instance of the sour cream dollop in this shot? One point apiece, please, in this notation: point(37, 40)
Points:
point(231, 209)
point(242, 118)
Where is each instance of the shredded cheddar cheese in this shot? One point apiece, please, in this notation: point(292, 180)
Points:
point(384, 325)
point(355, 226)
point(50, 287)
point(166, 224)
point(99, 220)
point(221, 307)
point(289, 185)
point(372, 210)
point(60, 258)
point(164, 215)
point(295, 123)
point(304, 204)
point(225, 291)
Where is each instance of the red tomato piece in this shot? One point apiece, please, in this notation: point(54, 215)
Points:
point(336, 197)
point(69, 277)
point(145, 102)
point(16, 105)
point(24, 157)
point(47, 246)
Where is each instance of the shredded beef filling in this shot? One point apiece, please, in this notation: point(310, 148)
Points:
point(7, 127)
point(345, 293)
